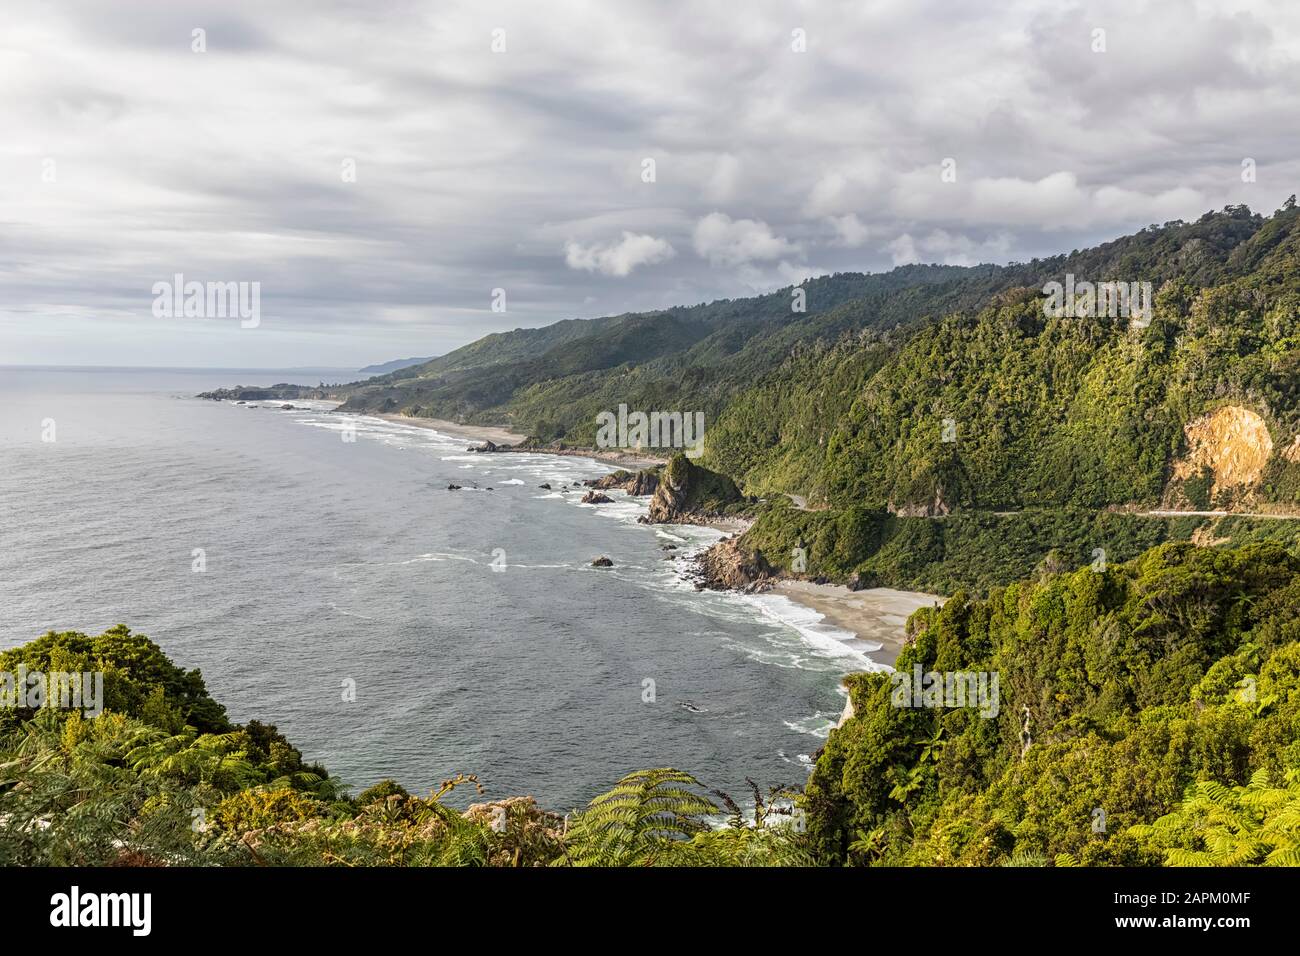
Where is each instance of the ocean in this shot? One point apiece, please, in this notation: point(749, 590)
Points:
point(476, 634)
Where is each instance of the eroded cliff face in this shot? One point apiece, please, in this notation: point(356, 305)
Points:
point(1231, 463)
point(933, 509)
point(1233, 442)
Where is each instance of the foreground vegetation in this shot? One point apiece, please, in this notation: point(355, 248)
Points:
point(1161, 697)
point(1149, 714)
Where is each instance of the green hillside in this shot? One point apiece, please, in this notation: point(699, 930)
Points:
point(1148, 714)
point(1043, 411)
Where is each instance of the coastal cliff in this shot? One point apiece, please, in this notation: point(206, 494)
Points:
point(691, 494)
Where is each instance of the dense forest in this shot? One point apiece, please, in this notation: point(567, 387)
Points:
point(1149, 714)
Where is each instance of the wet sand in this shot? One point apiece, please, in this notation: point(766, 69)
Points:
point(632, 461)
point(474, 433)
point(878, 615)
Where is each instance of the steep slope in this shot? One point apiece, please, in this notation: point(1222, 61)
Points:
point(1099, 698)
point(551, 382)
point(1006, 408)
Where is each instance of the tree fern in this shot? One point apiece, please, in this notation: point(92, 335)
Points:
point(631, 824)
point(1217, 825)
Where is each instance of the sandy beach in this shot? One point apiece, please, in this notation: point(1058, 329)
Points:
point(474, 433)
point(503, 436)
point(627, 460)
point(874, 614)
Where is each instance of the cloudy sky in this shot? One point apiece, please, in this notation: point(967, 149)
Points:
point(380, 169)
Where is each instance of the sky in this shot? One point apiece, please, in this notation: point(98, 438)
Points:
point(401, 178)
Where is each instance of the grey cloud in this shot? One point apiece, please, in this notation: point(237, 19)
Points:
point(478, 170)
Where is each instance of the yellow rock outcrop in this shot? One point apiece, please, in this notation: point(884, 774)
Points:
point(1233, 442)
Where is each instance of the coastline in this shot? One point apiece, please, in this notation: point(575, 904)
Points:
point(503, 436)
point(620, 459)
point(876, 616)
point(480, 433)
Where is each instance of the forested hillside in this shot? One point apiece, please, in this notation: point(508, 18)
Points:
point(1043, 411)
point(846, 402)
point(1147, 714)
point(550, 382)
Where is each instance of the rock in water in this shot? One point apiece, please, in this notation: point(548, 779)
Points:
point(602, 562)
point(727, 567)
point(596, 498)
point(641, 484)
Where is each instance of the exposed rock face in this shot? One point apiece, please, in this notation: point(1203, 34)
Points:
point(690, 494)
point(486, 447)
point(1233, 442)
point(933, 509)
point(596, 498)
point(728, 567)
point(848, 712)
point(644, 483)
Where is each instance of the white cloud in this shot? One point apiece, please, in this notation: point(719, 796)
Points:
point(796, 273)
point(618, 258)
point(849, 231)
point(724, 180)
point(903, 250)
point(948, 248)
point(731, 242)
